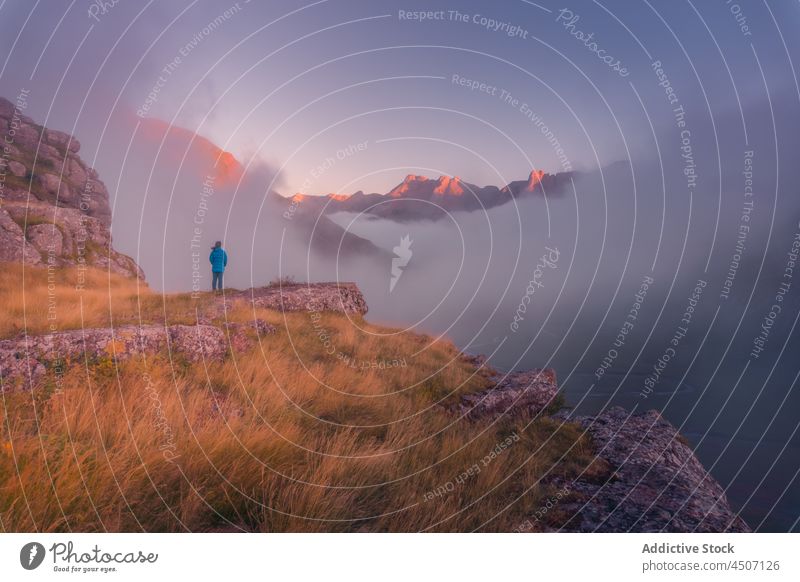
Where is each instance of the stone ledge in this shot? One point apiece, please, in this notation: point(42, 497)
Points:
point(24, 360)
point(340, 297)
point(531, 392)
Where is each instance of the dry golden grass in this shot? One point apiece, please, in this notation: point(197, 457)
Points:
point(35, 298)
point(282, 437)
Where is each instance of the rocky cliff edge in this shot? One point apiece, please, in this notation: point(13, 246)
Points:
point(645, 477)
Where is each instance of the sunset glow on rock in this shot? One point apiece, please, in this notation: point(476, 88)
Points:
point(449, 185)
point(407, 184)
point(185, 148)
point(534, 179)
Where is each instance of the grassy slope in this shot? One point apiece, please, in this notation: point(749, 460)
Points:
point(260, 444)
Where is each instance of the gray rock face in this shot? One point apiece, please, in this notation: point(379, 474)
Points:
point(341, 297)
point(62, 140)
point(649, 478)
point(655, 483)
point(46, 238)
point(13, 246)
point(47, 183)
point(24, 360)
point(84, 239)
point(531, 391)
point(17, 169)
point(242, 336)
point(50, 184)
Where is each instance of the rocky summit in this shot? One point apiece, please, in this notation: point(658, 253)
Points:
point(54, 210)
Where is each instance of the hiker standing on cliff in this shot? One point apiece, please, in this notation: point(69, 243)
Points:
point(219, 260)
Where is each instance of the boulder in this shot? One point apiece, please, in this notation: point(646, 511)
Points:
point(83, 238)
point(76, 173)
point(51, 185)
point(48, 182)
point(26, 137)
point(17, 169)
point(48, 155)
point(13, 247)
point(62, 140)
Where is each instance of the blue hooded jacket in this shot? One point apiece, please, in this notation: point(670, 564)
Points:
point(218, 259)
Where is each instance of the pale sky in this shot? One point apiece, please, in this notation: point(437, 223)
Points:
point(298, 85)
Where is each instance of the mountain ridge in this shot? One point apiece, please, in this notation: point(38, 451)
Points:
point(419, 197)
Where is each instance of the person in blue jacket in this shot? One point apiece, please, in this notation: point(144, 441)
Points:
point(219, 260)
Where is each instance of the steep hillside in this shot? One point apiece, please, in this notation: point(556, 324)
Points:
point(256, 426)
point(281, 409)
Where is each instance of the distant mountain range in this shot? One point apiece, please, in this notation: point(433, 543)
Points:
point(415, 198)
point(423, 198)
point(161, 147)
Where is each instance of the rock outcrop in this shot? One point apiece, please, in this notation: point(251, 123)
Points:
point(645, 477)
point(242, 341)
point(531, 391)
point(341, 297)
point(24, 361)
point(655, 482)
point(54, 210)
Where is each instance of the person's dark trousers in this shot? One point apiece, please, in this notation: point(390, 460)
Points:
point(216, 281)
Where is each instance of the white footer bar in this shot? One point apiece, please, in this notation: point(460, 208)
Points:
point(403, 557)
